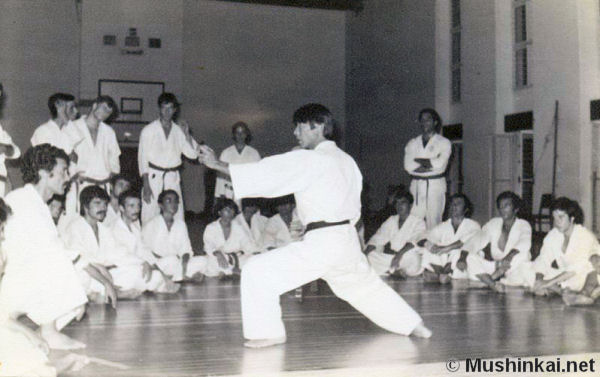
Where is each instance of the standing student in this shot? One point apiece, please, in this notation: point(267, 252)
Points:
point(425, 159)
point(40, 280)
point(326, 184)
point(97, 151)
point(8, 150)
point(238, 153)
point(162, 143)
point(62, 111)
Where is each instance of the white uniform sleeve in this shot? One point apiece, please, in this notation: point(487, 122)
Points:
point(409, 157)
point(277, 175)
point(383, 235)
point(440, 161)
point(113, 154)
point(143, 152)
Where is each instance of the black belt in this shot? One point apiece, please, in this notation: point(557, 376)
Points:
point(429, 177)
point(323, 224)
point(165, 171)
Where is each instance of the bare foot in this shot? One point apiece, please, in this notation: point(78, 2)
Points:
point(59, 341)
point(499, 287)
point(130, 294)
point(97, 298)
point(261, 343)
point(445, 278)
point(421, 331)
point(198, 277)
point(430, 277)
point(574, 299)
point(171, 286)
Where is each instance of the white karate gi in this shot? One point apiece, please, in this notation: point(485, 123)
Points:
point(19, 356)
point(412, 231)
point(255, 231)
point(169, 246)
point(162, 152)
point(125, 268)
point(277, 233)
point(576, 258)
point(231, 156)
point(51, 133)
point(111, 216)
point(130, 240)
point(326, 184)
point(39, 279)
point(238, 241)
point(6, 139)
point(428, 189)
point(443, 234)
point(519, 238)
point(96, 161)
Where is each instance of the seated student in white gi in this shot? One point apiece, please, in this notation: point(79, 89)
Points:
point(40, 280)
point(226, 243)
point(500, 252)
point(168, 239)
point(564, 265)
point(327, 184)
point(118, 185)
point(444, 243)
point(99, 252)
point(285, 226)
point(393, 248)
point(238, 153)
point(127, 232)
point(253, 223)
point(8, 150)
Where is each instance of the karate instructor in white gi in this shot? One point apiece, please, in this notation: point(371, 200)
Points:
point(326, 184)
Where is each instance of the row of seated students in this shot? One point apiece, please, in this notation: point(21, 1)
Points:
point(497, 254)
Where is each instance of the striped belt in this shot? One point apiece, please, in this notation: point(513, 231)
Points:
point(323, 224)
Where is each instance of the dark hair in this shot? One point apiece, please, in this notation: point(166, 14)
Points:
point(161, 196)
point(224, 202)
point(403, 194)
point(109, 101)
point(466, 200)
point(437, 119)
point(282, 200)
point(570, 207)
point(55, 98)
point(167, 97)
point(515, 199)
point(40, 157)
point(251, 202)
point(245, 127)
point(129, 193)
point(315, 113)
point(90, 193)
point(5, 210)
point(118, 177)
point(58, 198)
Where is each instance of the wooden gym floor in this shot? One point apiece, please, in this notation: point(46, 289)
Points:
point(198, 332)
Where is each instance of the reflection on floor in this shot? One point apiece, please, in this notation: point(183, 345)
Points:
point(198, 332)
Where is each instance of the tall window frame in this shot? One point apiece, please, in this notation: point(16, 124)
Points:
point(455, 51)
point(521, 44)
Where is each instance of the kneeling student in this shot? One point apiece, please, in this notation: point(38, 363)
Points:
point(168, 239)
point(127, 232)
point(393, 248)
point(225, 241)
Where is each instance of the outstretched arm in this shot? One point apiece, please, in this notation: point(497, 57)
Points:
point(208, 157)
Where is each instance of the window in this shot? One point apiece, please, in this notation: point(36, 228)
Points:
point(455, 52)
point(522, 44)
